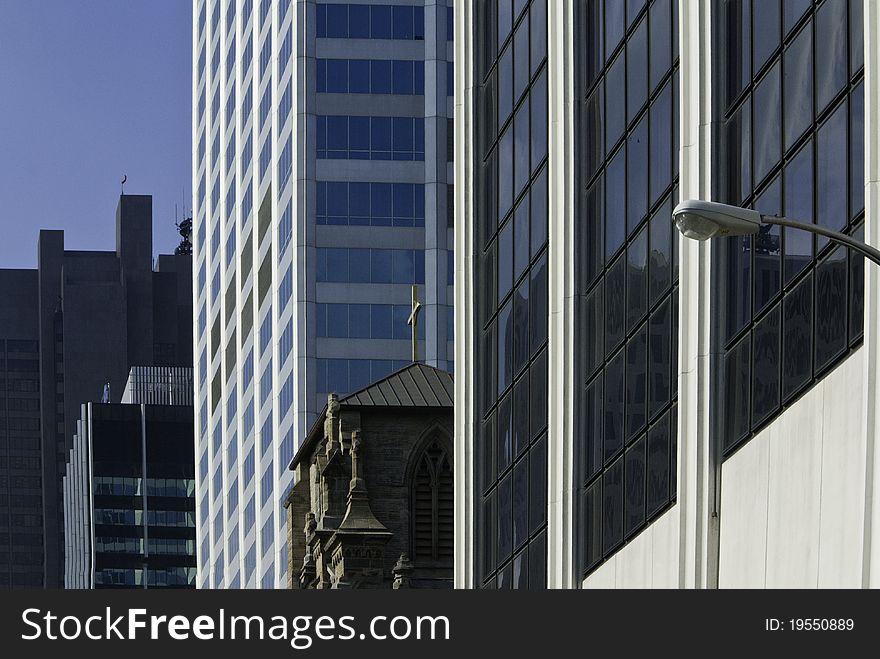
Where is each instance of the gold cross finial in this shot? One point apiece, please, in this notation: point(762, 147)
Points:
point(413, 321)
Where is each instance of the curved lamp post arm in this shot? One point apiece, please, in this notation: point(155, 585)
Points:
point(836, 236)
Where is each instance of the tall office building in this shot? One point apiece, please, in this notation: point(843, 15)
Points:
point(96, 314)
point(21, 500)
point(634, 408)
point(129, 488)
point(322, 151)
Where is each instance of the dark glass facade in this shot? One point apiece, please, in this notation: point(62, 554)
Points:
point(140, 463)
point(21, 513)
point(627, 85)
point(791, 104)
point(511, 298)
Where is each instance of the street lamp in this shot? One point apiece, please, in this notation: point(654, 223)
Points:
point(702, 220)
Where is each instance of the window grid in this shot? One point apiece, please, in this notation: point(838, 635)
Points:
point(794, 304)
point(511, 280)
point(365, 321)
point(365, 266)
point(626, 272)
point(342, 376)
point(363, 76)
point(360, 21)
point(343, 203)
point(370, 138)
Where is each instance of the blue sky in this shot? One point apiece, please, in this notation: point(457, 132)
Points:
point(91, 90)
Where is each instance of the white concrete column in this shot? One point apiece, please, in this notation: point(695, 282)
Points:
point(464, 295)
point(561, 348)
point(871, 554)
point(696, 463)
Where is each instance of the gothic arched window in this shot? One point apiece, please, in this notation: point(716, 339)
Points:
point(433, 506)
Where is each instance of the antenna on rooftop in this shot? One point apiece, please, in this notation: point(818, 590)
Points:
point(122, 185)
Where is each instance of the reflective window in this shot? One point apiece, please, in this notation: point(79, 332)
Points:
point(370, 138)
point(343, 376)
point(370, 204)
point(366, 266)
point(626, 275)
point(358, 21)
point(794, 145)
point(365, 321)
point(510, 277)
point(344, 76)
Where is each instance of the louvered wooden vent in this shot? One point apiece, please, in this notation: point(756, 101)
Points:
point(433, 507)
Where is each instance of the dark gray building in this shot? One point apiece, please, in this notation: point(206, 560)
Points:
point(373, 502)
point(21, 514)
point(78, 323)
point(129, 498)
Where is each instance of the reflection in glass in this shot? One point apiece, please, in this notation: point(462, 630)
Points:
point(538, 485)
point(592, 325)
point(613, 506)
point(591, 428)
point(539, 120)
point(614, 26)
point(520, 326)
point(798, 96)
point(831, 52)
point(538, 317)
point(615, 312)
point(857, 150)
point(634, 475)
point(658, 465)
point(738, 141)
point(520, 415)
point(797, 313)
point(505, 346)
point(738, 283)
point(637, 278)
point(614, 404)
point(521, 237)
point(615, 107)
point(521, 147)
point(765, 385)
point(831, 280)
point(766, 129)
point(505, 172)
point(615, 202)
point(505, 526)
point(538, 394)
point(520, 502)
point(637, 175)
point(592, 524)
point(767, 245)
point(736, 386)
point(798, 183)
point(636, 381)
point(661, 142)
point(765, 30)
point(521, 58)
point(637, 70)
point(660, 40)
point(659, 359)
point(505, 260)
point(539, 212)
point(660, 256)
point(831, 162)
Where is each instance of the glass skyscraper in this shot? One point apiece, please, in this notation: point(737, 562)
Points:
point(322, 150)
point(637, 409)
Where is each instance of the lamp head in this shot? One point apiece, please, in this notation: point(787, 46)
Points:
point(702, 220)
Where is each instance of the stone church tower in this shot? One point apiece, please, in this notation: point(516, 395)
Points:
point(372, 506)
